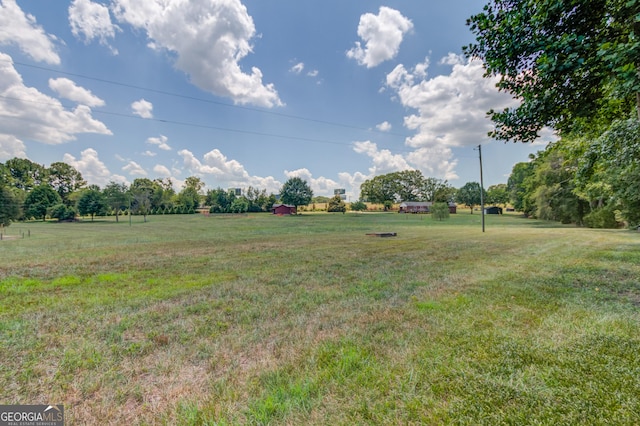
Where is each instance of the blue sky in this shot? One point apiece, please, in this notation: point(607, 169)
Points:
point(249, 93)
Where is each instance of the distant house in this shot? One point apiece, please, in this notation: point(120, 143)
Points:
point(415, 207)
point(453, 208)
point(283, 209)
point(493, 210)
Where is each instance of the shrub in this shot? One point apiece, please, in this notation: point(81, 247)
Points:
point(440, 211)
point(604, 217)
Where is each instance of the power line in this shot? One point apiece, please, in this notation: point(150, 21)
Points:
point(209, 101)
point(182, 123)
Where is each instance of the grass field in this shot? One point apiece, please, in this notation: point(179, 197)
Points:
point(259, 319)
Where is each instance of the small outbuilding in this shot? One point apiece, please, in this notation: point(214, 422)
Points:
point(415, 207)
point(493, 210)
point(453, 208)
point(282, 209)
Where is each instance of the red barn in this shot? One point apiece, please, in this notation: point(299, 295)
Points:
point(283, 209)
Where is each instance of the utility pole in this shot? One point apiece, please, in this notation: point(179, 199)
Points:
point(481, 187)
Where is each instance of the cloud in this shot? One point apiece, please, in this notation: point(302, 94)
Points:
point(142, 108)
point(225, 172)
point(297, 68)
point(134, 169)
point(27, 114)
point(450, 110)
point(382, 35)
point(160, 142)
point(385, 126)
point(93, 170)
point(161, 170)
point(149, 154)
point(20, 29)
point(11, 147)
point(384, 161)
point(319, 185)
point(69, 90)
point(352, 182)
point(92, 21)
point(208, 39)
point(313, 73)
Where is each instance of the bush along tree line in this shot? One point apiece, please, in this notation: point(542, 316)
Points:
point(574, 67)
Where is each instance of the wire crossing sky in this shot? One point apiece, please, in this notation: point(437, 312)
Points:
point(249, 93)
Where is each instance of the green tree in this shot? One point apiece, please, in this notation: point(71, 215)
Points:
point(64, 179)
point(39, 200)
point(498, 194)
point(517, 185)
point(436, 190)
point(259, 200)
point(358, 206)
point(116, 197)
point(23, 174)
point(188, 198)
point(296, 191)
point(240, 205)
point(380, 189)
point(563, 60)
point(552, 185)
point(141, 192)
point(9, 206)
point(611, 171)
point(92, 202)
point(336, 205)
point(62, 212)
point(440, 211)
point(220, 200)
point(195, 183)
point(162, 194)
point(409, 185)
point(469, 195)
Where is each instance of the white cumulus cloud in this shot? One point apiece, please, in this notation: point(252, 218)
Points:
point(208, 39)
point(11, 147)
point(449, 110)
point(92, 21)
point(297, 68)
point(69, 90)
point(142, 108)
point(161, 170)
point(22, 30)
point(27, 114)
point(384, 161)
point(134, 169)
point(225, 172)
point(385, 126)
point(93, 170)
point(160, 142)
point(382, 34)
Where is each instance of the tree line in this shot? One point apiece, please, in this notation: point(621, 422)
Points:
point(30, 190)
point(574, 67)
point(412, 185)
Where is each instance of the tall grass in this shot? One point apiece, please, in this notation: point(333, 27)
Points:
point(259, 319)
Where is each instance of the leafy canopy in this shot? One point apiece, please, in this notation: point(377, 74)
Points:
point(564, 60)
point(296, 192)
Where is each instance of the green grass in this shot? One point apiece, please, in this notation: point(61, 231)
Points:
point(259, 319)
